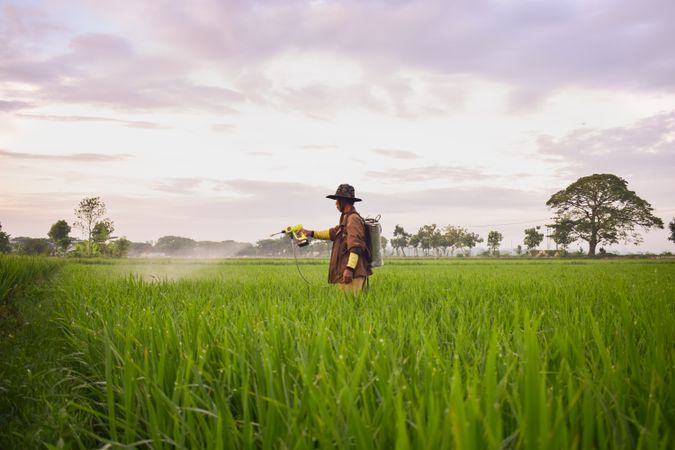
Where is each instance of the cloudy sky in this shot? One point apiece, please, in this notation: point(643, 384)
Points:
point(216, 119)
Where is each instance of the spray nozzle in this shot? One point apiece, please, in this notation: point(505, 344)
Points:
point(296, 233)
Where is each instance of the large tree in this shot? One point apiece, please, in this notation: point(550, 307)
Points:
point(671, 226)
point(58, 233)
point(603, 210)
point(89, 211)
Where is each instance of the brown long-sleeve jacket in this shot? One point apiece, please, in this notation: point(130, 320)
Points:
point(348, 236)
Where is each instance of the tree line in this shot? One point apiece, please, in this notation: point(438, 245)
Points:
point(90, 219)
point(598, 209)
point(451, 240)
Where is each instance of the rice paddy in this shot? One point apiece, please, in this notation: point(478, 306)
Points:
point(465, 354)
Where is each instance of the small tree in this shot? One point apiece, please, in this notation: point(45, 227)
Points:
point(563, 233)
point(603, 210)
point(519, 250)
point(414, 242)
point(58, 233)
point(533, 238)
point(383, 243)
point(453, 237)
point(493, 241)
point(89, 211)
point(469, 240)
point(427, 237)
point(400, 240)
point(671, 226)
point(5, 246)
point(102, 231)
point(120, 247)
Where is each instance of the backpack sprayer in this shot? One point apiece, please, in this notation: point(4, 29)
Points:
point(295, 232)
point(374, 240)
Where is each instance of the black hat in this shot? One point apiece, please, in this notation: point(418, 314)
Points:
point(344, 191)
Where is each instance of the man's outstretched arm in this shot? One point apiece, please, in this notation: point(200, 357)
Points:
point(323, 234)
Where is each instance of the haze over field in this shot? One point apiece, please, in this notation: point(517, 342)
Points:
point(228, 120)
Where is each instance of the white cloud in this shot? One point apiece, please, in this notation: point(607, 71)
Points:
point(394, 153)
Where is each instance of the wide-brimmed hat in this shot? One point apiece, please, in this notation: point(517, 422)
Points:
point(344, 191)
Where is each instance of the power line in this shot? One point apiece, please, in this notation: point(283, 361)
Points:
point(661, 211)
point(509, 223)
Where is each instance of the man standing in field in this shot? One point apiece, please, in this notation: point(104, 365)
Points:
point(349, 259)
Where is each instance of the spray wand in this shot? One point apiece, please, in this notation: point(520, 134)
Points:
point(296, 233)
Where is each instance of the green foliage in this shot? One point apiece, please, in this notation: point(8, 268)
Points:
point(429, 237)
point(453, 237)
point(5, 246)
point(401, 240)
point(460, 239)
point(414, 242)
point(86, 248)
point(17, 273)
point(120, 247)
point(273, 247)
point(33, 246)
point(563, 232)
point(29, 343)
point(89, 211)
point(494, 241)
point(671, 227)
point(140, 248)
point(443, 241)
point(439, 354)
point(533, 238)
point(59, 234)
point(175, 245)
point(601, 210)
point(469, 240)
point(102, 231)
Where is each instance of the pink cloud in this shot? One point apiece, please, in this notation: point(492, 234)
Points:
point(13, 105)
point(80, 157)
point(147, 60)
point(95, 46)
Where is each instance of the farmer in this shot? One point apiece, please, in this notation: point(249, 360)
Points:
point(349, 266)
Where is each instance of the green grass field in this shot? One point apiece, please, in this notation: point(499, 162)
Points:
point(466, 354)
